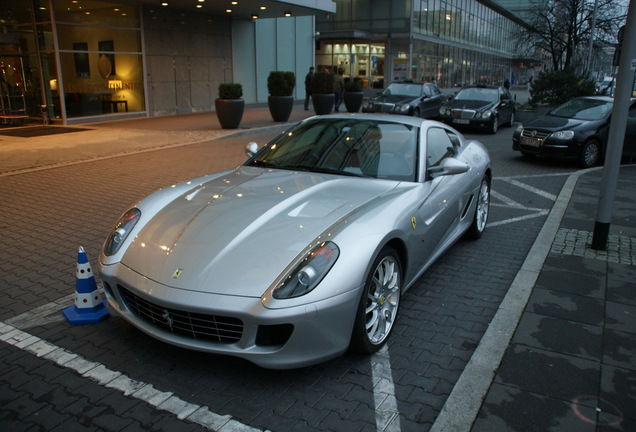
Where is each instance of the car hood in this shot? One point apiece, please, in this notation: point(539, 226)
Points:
point(235, 234)
point(477, 105)
point(550, 123)
point(393, 99)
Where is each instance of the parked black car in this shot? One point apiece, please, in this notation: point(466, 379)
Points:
point(481, 106)
point(418, 99)
point(576, 130)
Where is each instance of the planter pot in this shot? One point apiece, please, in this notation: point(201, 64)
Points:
point(280, 107)
point(323, 103)
point(229, 112)
point(353, 101)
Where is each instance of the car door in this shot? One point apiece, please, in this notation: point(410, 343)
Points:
point(430, 102)
point(506, 106)
point(437, 216)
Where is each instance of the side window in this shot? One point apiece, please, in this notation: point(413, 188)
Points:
point(438, 146)
point(427, 91)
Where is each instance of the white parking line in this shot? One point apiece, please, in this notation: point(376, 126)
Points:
point(387, 416)
point(386, 412)
point(145, 392)
point(532, 189)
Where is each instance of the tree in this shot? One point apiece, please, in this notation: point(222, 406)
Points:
point(563, 28)
point(557, 87)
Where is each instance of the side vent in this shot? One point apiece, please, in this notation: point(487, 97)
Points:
point(467, 206)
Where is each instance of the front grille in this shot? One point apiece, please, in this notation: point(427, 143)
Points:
point(462, 114)
point(532, 133)
point(383, 107)
point(193, 325)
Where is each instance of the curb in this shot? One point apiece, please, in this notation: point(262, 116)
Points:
point(463, 404)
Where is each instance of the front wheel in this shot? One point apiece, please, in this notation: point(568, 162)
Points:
point(482, 209)
point(590, 154)
point(379, 303)
point(494, 125)
point(511, 123)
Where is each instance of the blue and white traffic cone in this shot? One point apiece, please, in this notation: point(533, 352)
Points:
point(90, 305)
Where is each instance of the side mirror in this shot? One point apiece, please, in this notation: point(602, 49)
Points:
point(449, 166)
point(251, 149)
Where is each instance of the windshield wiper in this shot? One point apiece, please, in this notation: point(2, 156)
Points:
point(337, 172)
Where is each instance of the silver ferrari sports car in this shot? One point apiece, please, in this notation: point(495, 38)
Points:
point(304, 250)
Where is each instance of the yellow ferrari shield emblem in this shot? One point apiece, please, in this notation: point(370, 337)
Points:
point(177, 273)
point(413, 222)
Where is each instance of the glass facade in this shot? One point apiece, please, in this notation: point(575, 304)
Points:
point(66, 59)
point(100, 57)
point(451, 42)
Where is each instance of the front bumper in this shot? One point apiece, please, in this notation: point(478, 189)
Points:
point(546, 147)
point(232, 325)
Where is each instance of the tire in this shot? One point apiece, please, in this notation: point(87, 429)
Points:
point(590, 154)
point(379, 303)
point(494, 126)
point(480, 218)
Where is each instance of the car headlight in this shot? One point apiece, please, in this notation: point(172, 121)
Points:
point(442, 111)
point(563, 135)
point(122, 229)
point(404, 108)
point(367, 104)
point(309, 271)
point(486, 114)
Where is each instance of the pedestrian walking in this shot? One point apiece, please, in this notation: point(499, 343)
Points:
point(338, 89)
point(308, 79)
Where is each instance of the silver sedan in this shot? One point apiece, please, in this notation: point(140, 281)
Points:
point(305, 250)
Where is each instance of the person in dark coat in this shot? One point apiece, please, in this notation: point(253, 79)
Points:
point(308, 79)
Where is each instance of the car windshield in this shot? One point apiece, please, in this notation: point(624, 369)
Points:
point(583, 109)
point(363, 148)
point(477, 93)
point(414, 90)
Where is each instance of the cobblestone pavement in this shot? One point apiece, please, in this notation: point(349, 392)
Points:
point(124, 380)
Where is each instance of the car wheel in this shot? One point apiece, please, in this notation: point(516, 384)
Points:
point(416, 112)
point(590, 154)
point(482, 209)
point(511, 123)
point(494, 126)
point(379, 303)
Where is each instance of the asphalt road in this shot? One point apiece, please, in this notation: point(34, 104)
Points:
point(48, 214)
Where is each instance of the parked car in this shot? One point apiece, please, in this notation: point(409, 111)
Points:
point(417, 99)
point(304, 250)
point(481, 106)
point(576, 130)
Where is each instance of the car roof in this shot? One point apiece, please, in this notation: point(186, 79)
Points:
point(391, 118)
point(486, 86)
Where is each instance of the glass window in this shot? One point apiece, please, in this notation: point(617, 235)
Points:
point(439, 146)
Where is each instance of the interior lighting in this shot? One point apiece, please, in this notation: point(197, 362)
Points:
point(228, 10)
point(199, 6)
point(263, 7)
point(164, 4)
point(287, 13)
point(254, 16)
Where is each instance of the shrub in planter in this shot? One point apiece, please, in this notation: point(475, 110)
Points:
point(557, 87)
point(353, 96)
point(230, 105)
point(322, 92)
point(280, 101)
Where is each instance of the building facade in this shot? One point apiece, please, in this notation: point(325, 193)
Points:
point(451, 42)
point(76, 61)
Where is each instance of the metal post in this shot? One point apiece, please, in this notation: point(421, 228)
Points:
point(624, 83)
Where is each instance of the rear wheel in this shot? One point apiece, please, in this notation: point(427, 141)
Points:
point(590, 154)
point(482, 209)
point(379, 303)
